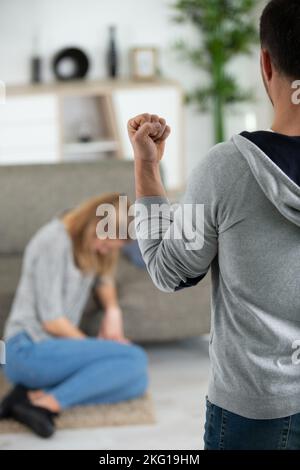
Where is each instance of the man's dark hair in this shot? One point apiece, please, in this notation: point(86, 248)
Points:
point(280, 35)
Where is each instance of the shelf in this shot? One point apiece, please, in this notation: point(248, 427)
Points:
point(99, 146)
point(51, 117)
point(86, 87)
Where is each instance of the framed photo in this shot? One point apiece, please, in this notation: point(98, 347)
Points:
point(144, 63)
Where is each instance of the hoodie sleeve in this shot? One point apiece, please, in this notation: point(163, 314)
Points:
point(178, 246)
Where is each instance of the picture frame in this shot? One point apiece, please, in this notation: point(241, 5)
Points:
point(144, 61)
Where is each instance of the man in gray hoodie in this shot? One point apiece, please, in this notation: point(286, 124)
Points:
point(249, 237)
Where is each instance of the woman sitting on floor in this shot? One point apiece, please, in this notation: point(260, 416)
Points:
point(52, 364)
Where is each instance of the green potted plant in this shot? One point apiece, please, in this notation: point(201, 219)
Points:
point(226, 29)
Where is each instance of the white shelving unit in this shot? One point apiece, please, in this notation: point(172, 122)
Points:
point(95, 146)
point(85, 121)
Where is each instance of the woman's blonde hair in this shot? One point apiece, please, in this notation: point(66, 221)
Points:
point(81, 223)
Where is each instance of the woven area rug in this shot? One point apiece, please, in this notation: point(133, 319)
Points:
point(132, 412)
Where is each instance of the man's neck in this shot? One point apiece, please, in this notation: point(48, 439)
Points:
point(287, 119)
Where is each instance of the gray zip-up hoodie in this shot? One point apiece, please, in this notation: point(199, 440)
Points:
point(252, 245)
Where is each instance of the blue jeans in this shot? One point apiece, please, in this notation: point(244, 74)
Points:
point(228, 431)
point(77, 371)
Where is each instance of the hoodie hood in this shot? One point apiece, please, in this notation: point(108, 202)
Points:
point(277, 186)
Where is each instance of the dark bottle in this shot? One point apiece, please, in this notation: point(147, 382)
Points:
point(36, 69)
point(112, 54)
point(36, 63)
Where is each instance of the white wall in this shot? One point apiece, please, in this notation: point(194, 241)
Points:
point(84, 23)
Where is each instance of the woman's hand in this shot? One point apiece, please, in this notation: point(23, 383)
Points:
point(112, 323)
point(112, 326)
point(148, 133)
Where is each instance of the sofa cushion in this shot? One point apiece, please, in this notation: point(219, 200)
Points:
point(10, 269)
point(31, 195)
point(151, 315)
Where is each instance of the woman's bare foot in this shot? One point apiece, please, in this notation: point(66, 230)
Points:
point(35, 394)
point(46, 401)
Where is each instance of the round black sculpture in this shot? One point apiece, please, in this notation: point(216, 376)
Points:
point(70, 64)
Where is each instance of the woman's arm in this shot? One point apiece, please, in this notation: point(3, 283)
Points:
point(107, 294)
point(48, 282)
point(62, 327)
point(112, 323)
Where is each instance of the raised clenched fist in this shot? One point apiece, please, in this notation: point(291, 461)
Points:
point(148, 134)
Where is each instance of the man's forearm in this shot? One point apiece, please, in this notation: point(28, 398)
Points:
point(148, 179)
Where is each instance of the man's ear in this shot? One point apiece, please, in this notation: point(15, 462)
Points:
point(266, 65)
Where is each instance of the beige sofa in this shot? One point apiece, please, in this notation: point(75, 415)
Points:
point(31, 195)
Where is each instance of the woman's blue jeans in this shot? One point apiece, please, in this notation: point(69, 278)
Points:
point(78, 371)
point(228, 431)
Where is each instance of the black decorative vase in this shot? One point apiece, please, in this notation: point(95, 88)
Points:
point(112, 54)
